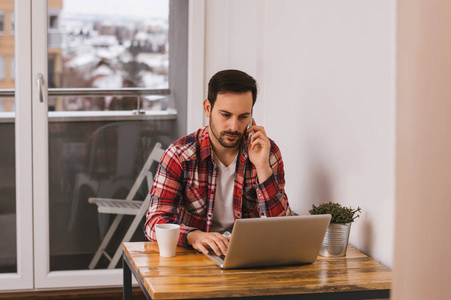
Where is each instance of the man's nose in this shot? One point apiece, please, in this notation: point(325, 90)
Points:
point(234, 124)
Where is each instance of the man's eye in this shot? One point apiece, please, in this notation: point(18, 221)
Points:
point(225, 115)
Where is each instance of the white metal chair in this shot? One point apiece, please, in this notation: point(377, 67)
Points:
point(129, 206)
point(111, 166)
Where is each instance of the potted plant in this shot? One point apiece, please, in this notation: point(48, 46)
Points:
point(336, 239)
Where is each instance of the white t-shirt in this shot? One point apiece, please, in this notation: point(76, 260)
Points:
point(223, 216)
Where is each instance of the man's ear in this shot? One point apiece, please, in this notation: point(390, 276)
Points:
point(207, 108)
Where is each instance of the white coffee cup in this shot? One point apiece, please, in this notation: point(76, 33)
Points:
point(167, 238)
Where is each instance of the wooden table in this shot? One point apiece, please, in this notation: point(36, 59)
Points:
point(191, 275)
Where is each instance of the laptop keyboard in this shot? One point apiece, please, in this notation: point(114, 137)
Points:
point(212, 253)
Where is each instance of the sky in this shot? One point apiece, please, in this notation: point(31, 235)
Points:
point(138, 8)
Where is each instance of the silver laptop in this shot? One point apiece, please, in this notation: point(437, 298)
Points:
point(263, 242)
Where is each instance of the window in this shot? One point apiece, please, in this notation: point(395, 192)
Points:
point(109, 45)
point(53, 21)
point(74, 149)
point(115, 47)
point(2, 67)
point(2, 22)
point(12, 70)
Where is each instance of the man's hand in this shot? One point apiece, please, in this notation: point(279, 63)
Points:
point(259, 148)
point(201, 240)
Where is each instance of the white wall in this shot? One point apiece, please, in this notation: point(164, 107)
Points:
point(326, 76)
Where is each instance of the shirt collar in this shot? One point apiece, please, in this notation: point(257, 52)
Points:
point(204, 142)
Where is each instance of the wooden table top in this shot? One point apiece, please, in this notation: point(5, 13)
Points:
point(192, 275)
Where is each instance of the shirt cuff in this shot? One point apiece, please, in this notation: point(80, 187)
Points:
point(184, 236)
point(266, 191)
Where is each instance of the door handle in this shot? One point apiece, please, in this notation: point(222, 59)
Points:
point(40, 82)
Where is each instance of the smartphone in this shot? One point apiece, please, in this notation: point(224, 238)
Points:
point(249, 134)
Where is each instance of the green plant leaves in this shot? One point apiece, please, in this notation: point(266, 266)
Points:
point(340, 214)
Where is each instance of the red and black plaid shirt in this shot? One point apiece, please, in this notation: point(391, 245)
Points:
point(184, 187)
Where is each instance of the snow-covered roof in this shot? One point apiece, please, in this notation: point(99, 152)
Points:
point(82, 60)
point(111, 52)
point(102, 70)
point(108, 82)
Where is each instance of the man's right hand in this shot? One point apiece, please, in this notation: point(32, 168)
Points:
point(200, 240)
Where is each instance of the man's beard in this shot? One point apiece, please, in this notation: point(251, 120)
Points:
point(220, 137)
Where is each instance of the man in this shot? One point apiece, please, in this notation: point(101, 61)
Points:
point(220, 173)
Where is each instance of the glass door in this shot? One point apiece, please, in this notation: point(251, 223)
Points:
point(100, 104)
point(85, 94)
point(16, 246)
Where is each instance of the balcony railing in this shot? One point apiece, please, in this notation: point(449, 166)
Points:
point(55, 116)
point(55, 39)
point(76, 92)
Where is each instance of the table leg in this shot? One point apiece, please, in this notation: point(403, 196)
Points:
point(127, 279)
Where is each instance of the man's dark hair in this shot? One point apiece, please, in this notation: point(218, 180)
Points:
point(234, 81)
